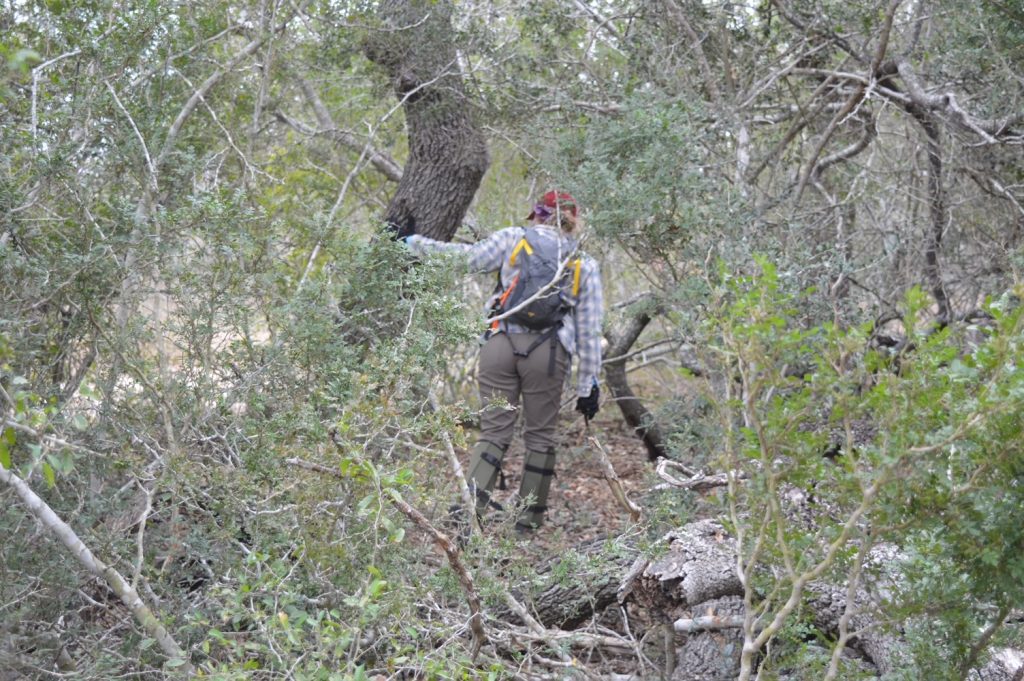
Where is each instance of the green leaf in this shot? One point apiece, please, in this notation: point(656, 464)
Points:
point(5, 455)
point(174, 662)
point(62, 463)
point(51, 479)
point(80, 422)
point(404, 477)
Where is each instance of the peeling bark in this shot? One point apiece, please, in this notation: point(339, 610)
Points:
point(692, 588)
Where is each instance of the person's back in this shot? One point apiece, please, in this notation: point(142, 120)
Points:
point(546, 284)
point(529, 356)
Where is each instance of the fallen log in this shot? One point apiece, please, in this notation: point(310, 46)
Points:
point(691, 591)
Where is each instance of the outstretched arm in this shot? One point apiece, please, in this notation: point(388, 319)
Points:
point(483, 256)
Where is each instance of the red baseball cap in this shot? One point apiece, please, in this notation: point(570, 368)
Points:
point(552, 199)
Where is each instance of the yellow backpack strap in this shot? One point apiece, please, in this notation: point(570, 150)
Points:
point(576, 277)
point(523, 243)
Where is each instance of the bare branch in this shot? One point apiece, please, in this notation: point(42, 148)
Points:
point(707, 623)
point(804, 28)
point(710, 81)
point(36, 70)
point(615, 483)
point(851, 103)
point(992, 131)
point(378, 159)
point(141, 532)
point(50, 440)
point(467, 497)
point(849, 152)
point(621, 336)
point(128, 595)
point(154, 187)
point(603, 23)
point(454, 559)
point(697, 481)
point(608, 108)
point(442, 540)
point(206, 86)
point(791, 134)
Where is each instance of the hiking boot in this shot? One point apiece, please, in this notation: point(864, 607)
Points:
point(538, 470)
point(484, 471)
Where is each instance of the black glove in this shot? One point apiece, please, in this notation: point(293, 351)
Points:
point(403, 231)
point(588, 405)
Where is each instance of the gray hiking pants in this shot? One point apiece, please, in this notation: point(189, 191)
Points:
point(535, 380)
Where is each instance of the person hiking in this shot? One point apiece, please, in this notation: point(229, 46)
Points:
point(547, 307)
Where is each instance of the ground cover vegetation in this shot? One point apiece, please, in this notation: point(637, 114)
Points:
point(234, 411)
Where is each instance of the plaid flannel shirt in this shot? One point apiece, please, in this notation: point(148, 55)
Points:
point(581, 337)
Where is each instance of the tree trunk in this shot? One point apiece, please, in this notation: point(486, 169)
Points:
point(621, 337)
point(447, 150)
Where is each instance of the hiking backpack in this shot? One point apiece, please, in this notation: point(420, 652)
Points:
point(538, 256)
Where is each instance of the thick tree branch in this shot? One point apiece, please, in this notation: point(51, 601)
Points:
point(387, 166)
point(620, 338)
point(851, 103)
point(991, 131)
point(204, 88)
point(149, 622)
point(849, 152)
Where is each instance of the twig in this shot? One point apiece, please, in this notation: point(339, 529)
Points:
point(615, 483)
point(442, 540)
point(142, 140)
point(467, 498)
point(697, 481)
